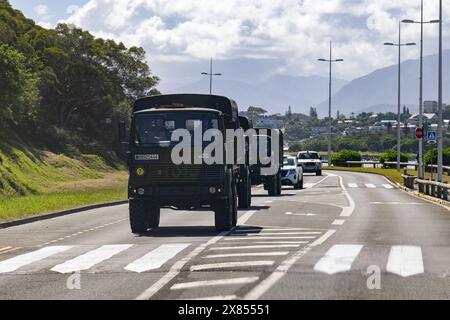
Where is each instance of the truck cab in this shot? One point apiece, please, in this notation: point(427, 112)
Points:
point(156, 181)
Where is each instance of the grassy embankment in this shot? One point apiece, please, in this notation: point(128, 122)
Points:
point(35, 182)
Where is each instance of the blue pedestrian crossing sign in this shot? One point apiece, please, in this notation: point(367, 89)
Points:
point(431, 137)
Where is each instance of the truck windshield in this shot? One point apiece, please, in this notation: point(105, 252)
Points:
point(157, 128)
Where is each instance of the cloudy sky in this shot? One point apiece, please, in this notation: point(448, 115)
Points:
point(249, 39)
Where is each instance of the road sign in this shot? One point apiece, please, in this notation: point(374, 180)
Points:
point(419, 133)
point(431, 137)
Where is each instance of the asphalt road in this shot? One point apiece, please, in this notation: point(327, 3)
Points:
point(346, 236)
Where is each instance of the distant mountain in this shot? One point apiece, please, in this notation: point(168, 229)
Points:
point(274, 94)
point(377, 91)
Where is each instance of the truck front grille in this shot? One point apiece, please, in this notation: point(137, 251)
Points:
point(173, 174)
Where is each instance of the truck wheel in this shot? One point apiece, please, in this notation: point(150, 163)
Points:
point(223, 215)
point(272, 186)
point(224, 209)
point(234, 216)
point(138, 221)
point(298, 185)
point(153, 212)
point(245, 193)
point(319, 173)
point(279, 186)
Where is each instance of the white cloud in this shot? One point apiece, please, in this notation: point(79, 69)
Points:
point(294, 31)
point(72, 9)
point(41, 10)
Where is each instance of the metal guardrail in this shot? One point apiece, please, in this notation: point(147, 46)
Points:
point(375, 163)
point(435, 189)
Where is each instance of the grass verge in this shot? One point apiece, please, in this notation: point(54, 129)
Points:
point(391, 174)
point(25, 206)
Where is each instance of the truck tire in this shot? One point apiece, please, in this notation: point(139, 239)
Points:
point(319, 173)
point(272, 186)
point(244, 192)
point(224, 209)
point(153, 214)
point(279, 186)
point(138, 221)
point(234, 217)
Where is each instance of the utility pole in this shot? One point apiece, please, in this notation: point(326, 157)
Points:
point(421, 122)
point(330, 131)
point(440, 131)
point(399, 136)
point(211, 74)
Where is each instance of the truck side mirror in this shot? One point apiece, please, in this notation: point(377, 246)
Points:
point(122, 132)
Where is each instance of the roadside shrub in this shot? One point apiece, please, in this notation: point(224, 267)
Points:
point(391, 156)
point(341, 158)
point(431, 156)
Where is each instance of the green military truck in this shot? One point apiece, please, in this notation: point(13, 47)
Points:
point(156, 182)
point(271, 182)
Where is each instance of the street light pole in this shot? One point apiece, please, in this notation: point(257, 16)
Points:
point(399, 45)
point(399, 133)
point(330, 129)
point(421, 122)
point(440, 133)
point(211, 74)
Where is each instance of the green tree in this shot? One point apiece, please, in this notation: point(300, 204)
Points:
point(18, 89)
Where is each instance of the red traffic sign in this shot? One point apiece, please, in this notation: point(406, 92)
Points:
point(419, 133)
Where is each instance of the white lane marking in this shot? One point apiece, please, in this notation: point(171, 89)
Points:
point(90, 259)
point(397, 203)
point(245, 235)
point(269, 201)
point(301, 214)
point(218, 298)
point(308, 185)
point(388, 186)
point(5, 248)
point(15, 263)
point(273, 229)
point(338, 222)
point(251, 254)
point(353, 185)
point(338, 259)
point(405, 261)
point(370, 186)
point(242, 220)
point(226, 265)
point(177, 267)
point(257, 292)
point(213, 283)
point(10, 250)
point(255, 247)
point(157, 258)
point(265, 238)
point(280, 242)
point(346, 211)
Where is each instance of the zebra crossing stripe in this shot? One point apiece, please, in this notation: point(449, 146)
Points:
point(338, 259)
point(157, 258)
point(352, 185)
point(15, 263)
point(388, 186)
point(370, 186)
point(405, 261)
point(90, 259)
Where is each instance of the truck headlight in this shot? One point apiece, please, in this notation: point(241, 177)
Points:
point(212, 190)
